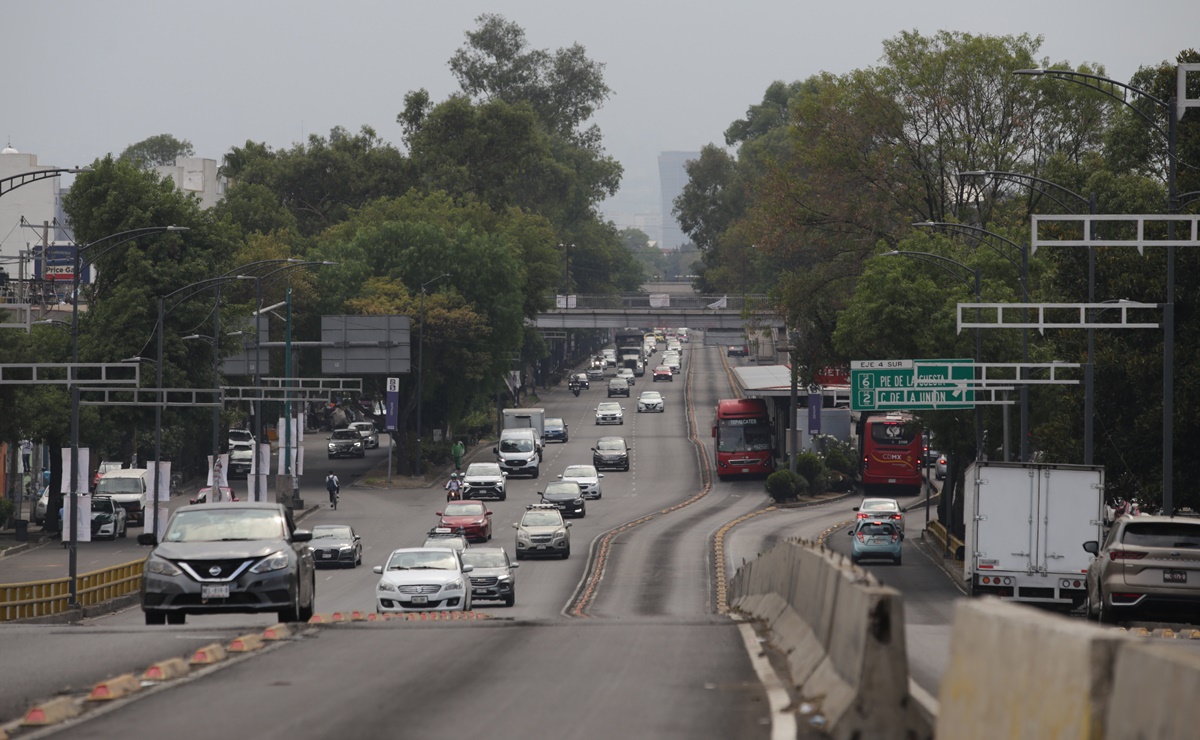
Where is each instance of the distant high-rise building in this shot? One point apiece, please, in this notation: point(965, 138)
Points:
point(672, 176)
point(26, 209)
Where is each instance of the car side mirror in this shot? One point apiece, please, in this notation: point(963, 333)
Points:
point(514, 525)
point(468, 568)
point(560, 476)
point(850, 532)
point(1091, 546)
point(593, 449)
point(600, 475)
point(489, 513)
point(854, 509)
point(147, 538)
point(438, 513)
point(503, 474)
point(378, 569)
point(302, 535)
point(514, 565)
point(495, 450)
point(568, 524)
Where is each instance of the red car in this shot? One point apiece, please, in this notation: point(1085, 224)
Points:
point(472, 517)
point(662, 372)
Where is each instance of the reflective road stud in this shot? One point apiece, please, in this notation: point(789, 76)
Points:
point(213, 653)
point(51, 712)
point(277, 632)
point(115, 688)
point(165, 670)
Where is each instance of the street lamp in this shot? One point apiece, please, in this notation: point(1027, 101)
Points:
point(1106, 86)
point(421, 365)
point(116, 239)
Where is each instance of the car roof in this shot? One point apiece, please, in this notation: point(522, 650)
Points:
point(231, 505)
point(610, 439)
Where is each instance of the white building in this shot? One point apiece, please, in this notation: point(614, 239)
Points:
point(35, 204)
point(196, 176)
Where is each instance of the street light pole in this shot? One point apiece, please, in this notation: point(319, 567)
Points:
point(421, 368)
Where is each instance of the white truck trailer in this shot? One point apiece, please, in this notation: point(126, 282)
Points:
point(1025, 528)
point(534, 418)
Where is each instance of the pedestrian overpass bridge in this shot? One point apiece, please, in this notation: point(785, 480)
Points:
point(654, 309)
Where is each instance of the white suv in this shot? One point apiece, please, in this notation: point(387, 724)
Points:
point(542, 531)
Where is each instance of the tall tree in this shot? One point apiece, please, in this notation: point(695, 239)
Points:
point(157, 151)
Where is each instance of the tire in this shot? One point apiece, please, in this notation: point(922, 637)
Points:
point(853, 560)
point(291, 613)
point(306, 612)
point(537, 472)
point(626, 468)
point(1104, 616)
point(510, 599)
point(176, 618)
point(124, 532)
point(520, 555)
point(898, 560)
point(504, 497)
point(566, 553)
point(156, 617)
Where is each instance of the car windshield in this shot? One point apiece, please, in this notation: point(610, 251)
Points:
point(516, 445)
point(481, 559)
point(580, 471)
point(346, 434)
point(332, 531)
point(562, 489)
point(651, 396)
point(464, 508)
point(102, 505)
point(617, 383)
point(1162, 534)
point(415, 560)
point(119, 485)
point(879, 506)
point(735, 435)
point(222, 525)
point(541, 519)
point(363, 426)
point(482, 469)
point(608, 408)
point(611, 444)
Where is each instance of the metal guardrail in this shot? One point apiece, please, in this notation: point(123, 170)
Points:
point(672, 300)
point(46, 598)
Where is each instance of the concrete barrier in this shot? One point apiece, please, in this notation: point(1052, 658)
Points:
point(1154, 693)
point(843, 635)
point(1017, 672)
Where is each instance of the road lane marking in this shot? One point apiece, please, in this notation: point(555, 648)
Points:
point(783, 722)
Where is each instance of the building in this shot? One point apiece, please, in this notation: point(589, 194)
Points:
point(672, 177)
point(28, 213)
point(197, 176)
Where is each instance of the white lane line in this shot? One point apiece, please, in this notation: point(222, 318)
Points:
point(783, 722)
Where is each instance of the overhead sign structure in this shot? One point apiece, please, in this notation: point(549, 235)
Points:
point(911, 385)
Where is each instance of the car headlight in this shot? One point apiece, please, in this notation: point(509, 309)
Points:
point(346, 548)
point(385, 586)
point(522, 535)
point(274, 561)
point(161, 567)
point(504, 578)
point(453, 586)
point(332, 446)
point(560, 534)
point(358, 444)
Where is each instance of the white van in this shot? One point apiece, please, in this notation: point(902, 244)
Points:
point(517, 451)
point(128, 490)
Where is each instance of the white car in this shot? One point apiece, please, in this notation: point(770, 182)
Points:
point(626, 374)
point(423, 579)
point(881, 510)
point(650, 401)
point(485, 480)
point(586, 476)
point(241, 436)
point(366, 429)
point(610, 412)
point(671, 360)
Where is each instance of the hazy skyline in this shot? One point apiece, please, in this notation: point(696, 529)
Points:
point(89, 78)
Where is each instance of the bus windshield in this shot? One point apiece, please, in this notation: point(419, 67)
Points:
point(743, 435)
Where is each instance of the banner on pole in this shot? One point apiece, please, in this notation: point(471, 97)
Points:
point(163, 493)
point(218, 471)
point(393, 404)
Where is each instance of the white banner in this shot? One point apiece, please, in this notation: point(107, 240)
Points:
point(83, 517)
point(218, 471)
point(299, 461)
point(660, 300)
point(164, 484)
point(722, 303)
point(85, 485)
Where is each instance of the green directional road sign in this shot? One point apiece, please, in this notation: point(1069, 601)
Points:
point(911, 385)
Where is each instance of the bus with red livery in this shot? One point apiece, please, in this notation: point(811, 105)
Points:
point(892, 455)
point(743, 434)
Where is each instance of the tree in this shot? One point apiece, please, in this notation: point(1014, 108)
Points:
point(156, 151)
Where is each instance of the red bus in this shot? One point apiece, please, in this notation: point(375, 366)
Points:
point(892, 455)
point(743, 434)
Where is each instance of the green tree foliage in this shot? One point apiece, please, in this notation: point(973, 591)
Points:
point(156, 151)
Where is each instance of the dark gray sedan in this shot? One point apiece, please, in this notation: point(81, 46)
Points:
point(336, 544)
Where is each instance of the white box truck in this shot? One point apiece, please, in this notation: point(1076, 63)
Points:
point(1025, 528)
point(533, 418)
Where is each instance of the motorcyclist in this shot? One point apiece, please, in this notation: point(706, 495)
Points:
point(574, 385)
point(453, 488)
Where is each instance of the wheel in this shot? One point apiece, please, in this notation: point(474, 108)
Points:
point(292, 613)
point(124, 532)
point(626, 468)
point(536, 472)
point(176, 618)
point(520, 555)
point(1104, 616)
point(156, 617)
point(854, 559)
point(898, 560)
point(566, 553)
point(510, 599)
point(306, 612)
point(358, 559)
point(503, 496)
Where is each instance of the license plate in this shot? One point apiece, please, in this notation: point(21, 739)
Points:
point(878, 541)
point(1174, 576)
point(420, 599)
point(327, 555)
point(215, 592)
point(540, 547)
point(891, 480)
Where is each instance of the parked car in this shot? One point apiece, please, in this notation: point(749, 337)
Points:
point(586, 476)
point(1148, 566)
point(567, 496)
point(611, 452)
point(650, 401)
point(366, 429)
point(423, 579)
point(336, 544)
point(618, 387)
point(880, 510)
point(108, 519)
point(610, 412)
point(662, 372)
point(346, 443)
point(221, 558)
point(556, 429)
point(542, 531)
point(484, 480)
point(874, 540)
point(471, 518)
point(494, 575)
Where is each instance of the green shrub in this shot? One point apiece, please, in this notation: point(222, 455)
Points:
point(802, 484)
point(809, 465)
point(7, 510)
point(837, 459)
point(781, 486)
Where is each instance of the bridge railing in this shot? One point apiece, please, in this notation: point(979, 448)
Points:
point(667, 300)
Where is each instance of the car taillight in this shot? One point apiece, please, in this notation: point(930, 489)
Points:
point(896, 517)
point(861, 537)
point(895, 536)
point(1126, 555)
point(861, 515)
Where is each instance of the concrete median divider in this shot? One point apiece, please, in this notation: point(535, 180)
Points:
point(1154, 693)
point(843, 634)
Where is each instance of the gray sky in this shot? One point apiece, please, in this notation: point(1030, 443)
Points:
point(85, 78)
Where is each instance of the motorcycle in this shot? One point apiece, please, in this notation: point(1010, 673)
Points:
point(575, 389)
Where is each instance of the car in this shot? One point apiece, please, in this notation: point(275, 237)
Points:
point(556, 428)
point(674, 345)
point(587, 477)
point(494, 576)
point(618, 387)
point(673, 363)
point(423, 579)
point(518, 451)
point(611, 452)
point(736, 350)
point(542, 532)
point(446, 537)
point(567, 496)
point(336, 544)
point(108, 519)
point(39, 509)
point(346, 443)
point(940, 470)
point(626, 374)
point(880, 510)
point(662, 372)
point(241, 456)
point(485, 480)
point(874, 539)
point(610, 412)
point(650, 401)
point(583, 380)
point(595, 373)
point(202, 496)
point(610, 357)
point(931, 457)
point(366, 429)
point(471, 518)
point(127, 487)
point(223, 558)
point(1147, 566)
point(105, 467)
point(240, 436)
